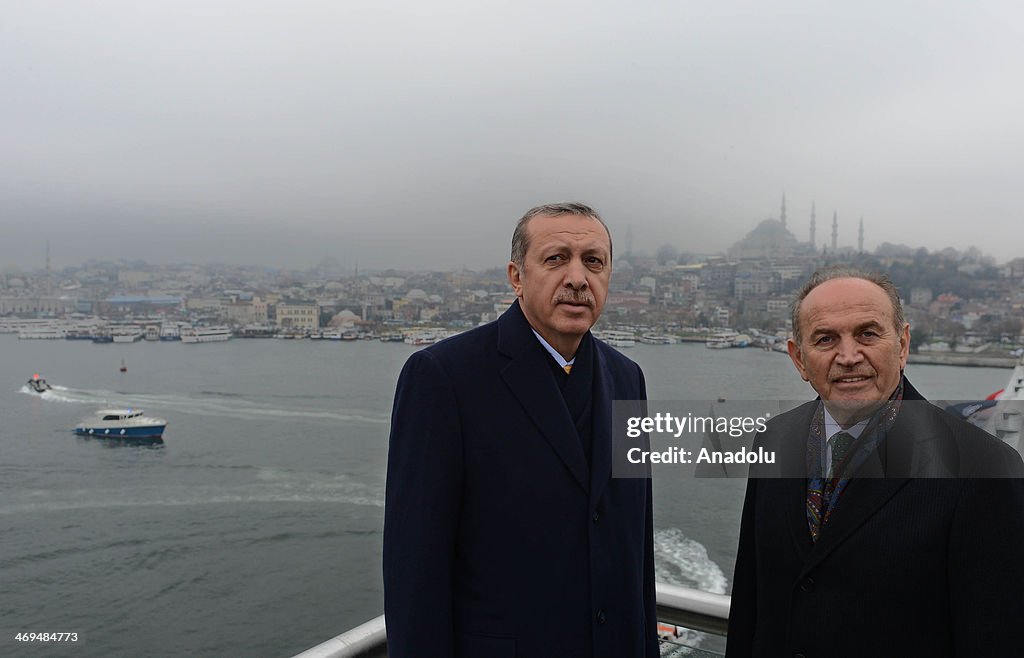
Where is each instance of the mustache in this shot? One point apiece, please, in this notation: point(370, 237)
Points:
point(575, 297)
point(836, 374)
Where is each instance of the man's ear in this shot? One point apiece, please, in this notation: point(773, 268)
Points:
point(797, 358)
point(904, 345)
point(515, 278)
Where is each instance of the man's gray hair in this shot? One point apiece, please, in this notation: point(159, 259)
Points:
point(521, 241)
point(848, 272)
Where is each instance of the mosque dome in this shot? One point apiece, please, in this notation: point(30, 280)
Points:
point(416, 295)
point(769, 239)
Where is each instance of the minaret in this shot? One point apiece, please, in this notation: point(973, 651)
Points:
point(860, 236)
point(49, 273)
point(782, 215)
point(835, 230)
point(812, 227)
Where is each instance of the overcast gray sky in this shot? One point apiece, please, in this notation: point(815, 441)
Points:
point(413, 134)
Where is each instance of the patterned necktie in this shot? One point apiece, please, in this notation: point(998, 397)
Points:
point(567, 368)
point(841, 442)
point(821, 491)
point(822, 494)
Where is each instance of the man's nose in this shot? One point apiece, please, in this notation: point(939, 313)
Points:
point(576, 274)
point(849, 351)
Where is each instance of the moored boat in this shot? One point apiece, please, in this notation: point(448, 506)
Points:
point(205, 334)
point(721, 340)
point(169, 331)
point(127, 333)
point(47, 332)
point(421, 338)
point(619, 338)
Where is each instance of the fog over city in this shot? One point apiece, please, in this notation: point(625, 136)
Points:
point(412, 135)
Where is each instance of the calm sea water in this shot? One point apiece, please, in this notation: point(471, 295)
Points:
point(255, 529)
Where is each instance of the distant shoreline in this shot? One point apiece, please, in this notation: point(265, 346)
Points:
point(966, 360)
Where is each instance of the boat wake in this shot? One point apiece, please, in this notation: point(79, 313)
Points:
point(679, 560)
point(53, 394)
point(219, 405)
point(268, 487)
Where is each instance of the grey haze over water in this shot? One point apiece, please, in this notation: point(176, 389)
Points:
point(411, 135)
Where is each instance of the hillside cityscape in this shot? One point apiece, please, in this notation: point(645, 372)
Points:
point(963, 306)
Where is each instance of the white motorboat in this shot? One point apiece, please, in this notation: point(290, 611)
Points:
point(122, 424)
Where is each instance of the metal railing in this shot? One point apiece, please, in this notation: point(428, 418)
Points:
point(680, 606)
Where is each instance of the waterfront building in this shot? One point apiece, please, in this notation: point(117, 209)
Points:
point(298, 314)
point(243, 312)
point(37, 305)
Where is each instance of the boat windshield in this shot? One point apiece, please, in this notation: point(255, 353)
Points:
point(122, 416)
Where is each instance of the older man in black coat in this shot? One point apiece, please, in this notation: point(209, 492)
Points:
point(902, 529)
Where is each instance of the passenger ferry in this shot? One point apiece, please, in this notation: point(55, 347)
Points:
point(127, 334)
point(205, 334)
point(725, 339)
point(169, 332)
point(44, 332)
point(658, 339)
point(619, 338)
point(421, 338)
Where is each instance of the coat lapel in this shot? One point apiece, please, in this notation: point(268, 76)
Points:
point(601, 446)
point(862, 498)
point(791, 445)
point(527, 377)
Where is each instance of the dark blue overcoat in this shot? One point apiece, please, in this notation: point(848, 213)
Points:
point(499, 539)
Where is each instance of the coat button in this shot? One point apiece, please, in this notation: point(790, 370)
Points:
point(807, 585)
point(601, 617)
point(596, 516)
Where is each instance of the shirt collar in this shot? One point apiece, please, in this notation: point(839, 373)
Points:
point(552, 351)
point(832, 426)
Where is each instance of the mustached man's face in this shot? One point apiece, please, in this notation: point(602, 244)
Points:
point(850, 351)
point(563, 281)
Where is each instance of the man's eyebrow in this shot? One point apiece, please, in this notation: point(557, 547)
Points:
point(558, 244)
point(870, 324)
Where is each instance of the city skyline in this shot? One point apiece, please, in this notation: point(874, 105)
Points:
point(622, 242)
